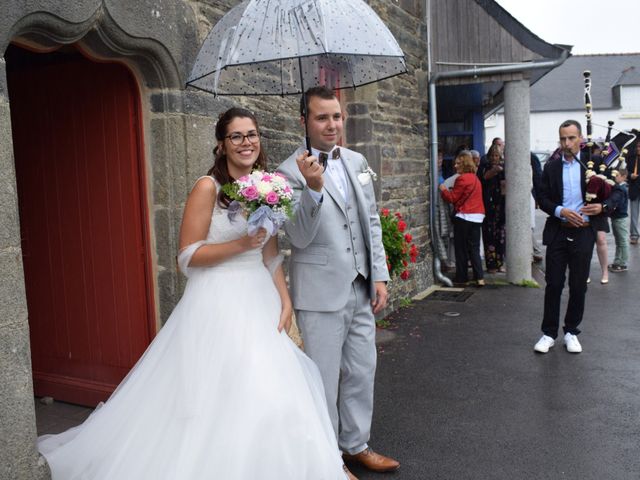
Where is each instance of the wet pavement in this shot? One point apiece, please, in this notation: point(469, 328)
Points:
point(466, 397)
point(460, 394)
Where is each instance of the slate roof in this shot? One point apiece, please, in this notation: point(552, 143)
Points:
point(563, 88)
point(631, 76)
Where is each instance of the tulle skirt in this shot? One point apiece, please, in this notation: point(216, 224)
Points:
point(219, 394)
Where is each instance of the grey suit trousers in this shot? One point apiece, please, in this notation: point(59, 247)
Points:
point(342, 344)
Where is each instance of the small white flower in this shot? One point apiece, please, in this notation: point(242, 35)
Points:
point(366, 176)
point(373, 174)
point(263, 187)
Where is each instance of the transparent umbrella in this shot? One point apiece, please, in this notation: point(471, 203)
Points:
point(270, 47)
point(267, 47)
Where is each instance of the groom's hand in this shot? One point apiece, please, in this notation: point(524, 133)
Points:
point(311, 170)
point(380, 301)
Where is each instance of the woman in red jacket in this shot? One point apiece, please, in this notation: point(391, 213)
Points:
point(466, 197)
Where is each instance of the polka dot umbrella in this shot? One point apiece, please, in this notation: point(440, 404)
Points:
point(271, 47)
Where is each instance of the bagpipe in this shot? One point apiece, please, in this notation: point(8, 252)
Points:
point(602, 169)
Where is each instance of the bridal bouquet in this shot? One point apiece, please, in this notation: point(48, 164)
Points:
point(265, 197)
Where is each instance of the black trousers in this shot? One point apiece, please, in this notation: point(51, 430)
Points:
point(571, 248)
point(466, 240)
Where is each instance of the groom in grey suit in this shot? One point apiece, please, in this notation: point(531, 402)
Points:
point(338, 272)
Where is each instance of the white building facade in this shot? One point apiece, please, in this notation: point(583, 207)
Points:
point(560, 96)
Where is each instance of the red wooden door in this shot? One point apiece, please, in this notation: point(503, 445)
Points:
point(76, 136)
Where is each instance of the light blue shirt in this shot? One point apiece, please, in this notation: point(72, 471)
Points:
point(571, 187)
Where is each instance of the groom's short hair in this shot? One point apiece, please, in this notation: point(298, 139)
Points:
point(322, 92)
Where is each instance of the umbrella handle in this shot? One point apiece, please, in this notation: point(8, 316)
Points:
point(304, 107)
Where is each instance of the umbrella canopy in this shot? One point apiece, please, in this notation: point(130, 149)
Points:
point(283, 47)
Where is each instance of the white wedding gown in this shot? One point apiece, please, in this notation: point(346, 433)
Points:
point(219, 393)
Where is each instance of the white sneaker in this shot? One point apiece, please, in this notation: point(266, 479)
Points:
point(572, 343)
point(544, 344)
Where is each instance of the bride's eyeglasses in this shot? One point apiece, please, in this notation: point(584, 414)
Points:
point(236, 138)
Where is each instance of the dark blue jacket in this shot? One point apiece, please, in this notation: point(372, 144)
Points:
point(618, 201)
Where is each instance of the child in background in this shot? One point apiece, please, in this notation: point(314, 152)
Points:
point(618, 206)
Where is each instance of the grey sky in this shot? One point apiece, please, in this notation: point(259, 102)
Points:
point(615, 23)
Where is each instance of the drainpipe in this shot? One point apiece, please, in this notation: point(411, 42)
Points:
point(433, 133)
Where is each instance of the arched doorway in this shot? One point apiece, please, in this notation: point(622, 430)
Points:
point(77, 141)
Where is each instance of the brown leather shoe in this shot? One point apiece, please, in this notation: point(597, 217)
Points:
point(350, 475)
point(372, 461)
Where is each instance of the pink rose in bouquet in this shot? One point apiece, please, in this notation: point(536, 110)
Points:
point(250, 193)
point(272, 198)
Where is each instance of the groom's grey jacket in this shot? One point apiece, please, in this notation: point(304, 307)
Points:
point(321, 266)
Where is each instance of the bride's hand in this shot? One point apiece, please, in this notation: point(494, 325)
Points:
point(285, 318)
point(256, 241)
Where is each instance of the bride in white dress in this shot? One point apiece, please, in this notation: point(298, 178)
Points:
point(221, 392)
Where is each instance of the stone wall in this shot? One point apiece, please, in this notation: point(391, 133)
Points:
point(18, 456)
point(390, 120)
point(387, 122)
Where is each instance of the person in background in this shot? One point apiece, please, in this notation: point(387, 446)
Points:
point(536, 175)
point(445, 246)
point(618, 202)
point(569, 234)
point(493, 227)
point(466, 197)
point(602, 250)
point(634, 194)
point(482, 166)
point(476, 157)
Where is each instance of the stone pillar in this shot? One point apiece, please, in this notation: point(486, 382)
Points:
point(18, 456)
point(518, 177)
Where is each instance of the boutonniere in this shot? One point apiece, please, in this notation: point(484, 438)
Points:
point(366, 176)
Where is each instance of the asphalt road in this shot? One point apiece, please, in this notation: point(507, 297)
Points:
point(466, 397)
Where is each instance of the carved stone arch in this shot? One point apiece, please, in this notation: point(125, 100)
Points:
point(158, 42)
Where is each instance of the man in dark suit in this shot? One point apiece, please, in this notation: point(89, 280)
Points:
point(569, 234)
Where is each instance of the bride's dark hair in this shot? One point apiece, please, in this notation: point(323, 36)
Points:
point(220, 169)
